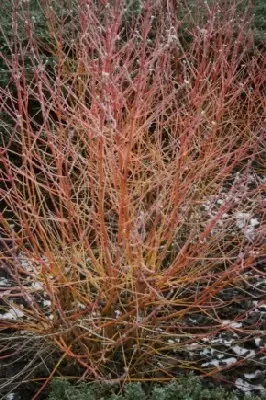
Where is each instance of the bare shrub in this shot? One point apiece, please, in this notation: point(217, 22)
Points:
point(122, 193)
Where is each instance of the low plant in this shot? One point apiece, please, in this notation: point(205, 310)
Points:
point(186, 388)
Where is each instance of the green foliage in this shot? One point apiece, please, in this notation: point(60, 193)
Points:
point(59, 389)
point(260, 17)
point(18, 14)
point(186, 388)
point(134, 391)
point(63, 390)
point(134, 6)
point(32, 12)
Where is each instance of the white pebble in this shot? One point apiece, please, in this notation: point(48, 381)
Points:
point(215, 363)
point(37, 285)
point(10, 396)
point(247, 387)
point(241, 219)
point(240, 351)
point(47, 303)
point(12, 314)
point(4, 282)
point(257, 341)
point(170, 341)
point(230, 360)
point(254, 222)
point(232, 324)
point(117, 313)
point(206, 351)
point(252, 376)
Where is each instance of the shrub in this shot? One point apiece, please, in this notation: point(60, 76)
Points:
point(124, 193)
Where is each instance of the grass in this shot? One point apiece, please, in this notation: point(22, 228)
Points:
point(122, 192)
